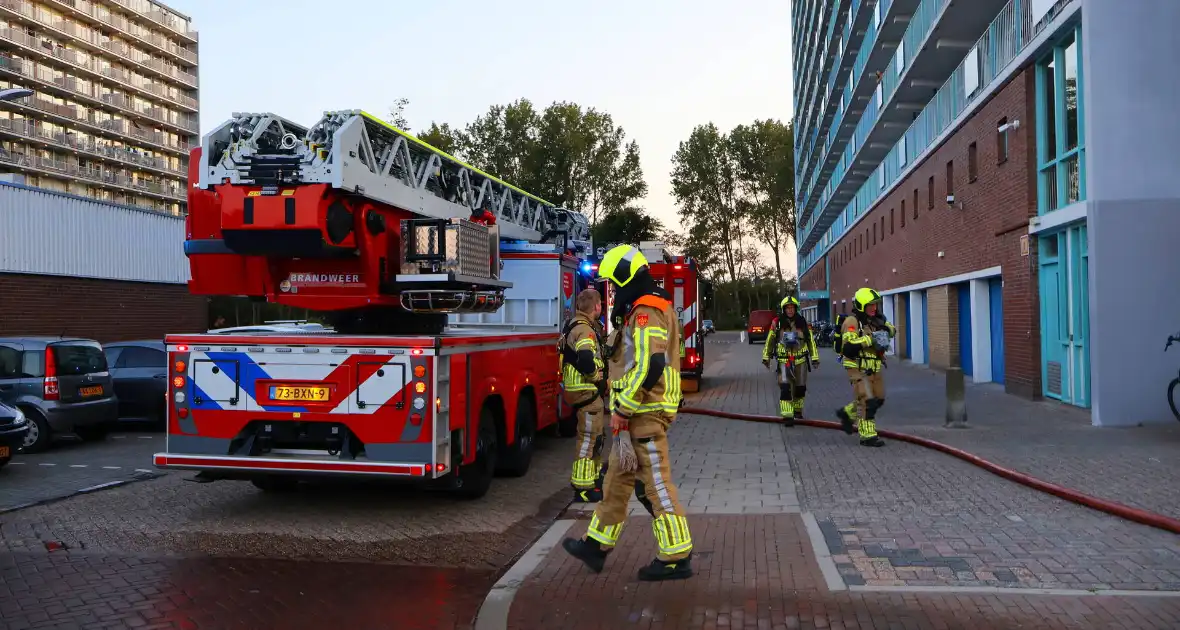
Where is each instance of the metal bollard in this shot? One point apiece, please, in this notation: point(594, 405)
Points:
point(956, 403)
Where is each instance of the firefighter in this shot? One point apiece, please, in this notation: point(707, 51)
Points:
point(791, 343)
point(864, 336)
point(645, 397)
point(582, 377)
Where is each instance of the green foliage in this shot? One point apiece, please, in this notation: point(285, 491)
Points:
point(397, 114)
point(735, 191)
point(629, 225)
point(572, 156)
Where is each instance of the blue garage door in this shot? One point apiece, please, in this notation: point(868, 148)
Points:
point(909, 327)
point(925, 329)
point(995, 288)
point(965, 357)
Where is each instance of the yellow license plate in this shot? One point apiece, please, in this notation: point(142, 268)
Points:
point(90, 391)
point(283, 392)
point(4, 452)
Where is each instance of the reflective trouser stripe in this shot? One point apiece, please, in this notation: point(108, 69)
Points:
point(585, 473)
point(607, 535)
point(672, 535)
point(867, 428)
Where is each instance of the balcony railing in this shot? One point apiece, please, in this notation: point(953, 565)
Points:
point(26, 9)
point(159, 17)
point(88, 174)
point(88, 90)
point(125, 155)
point(118, 22)
point(1006, 38)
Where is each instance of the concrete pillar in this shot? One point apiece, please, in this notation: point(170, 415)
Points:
point(1130, 88)
point(887, 303)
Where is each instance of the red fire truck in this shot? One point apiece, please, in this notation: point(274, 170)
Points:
point(444, 290)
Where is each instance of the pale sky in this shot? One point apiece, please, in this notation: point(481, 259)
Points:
point(659, 67)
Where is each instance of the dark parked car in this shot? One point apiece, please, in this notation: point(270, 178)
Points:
point(708, 327)
point(13, 428)
point(61, 384)
point(140, 372)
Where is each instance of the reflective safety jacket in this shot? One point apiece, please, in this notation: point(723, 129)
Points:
point(859, 351)
point(779, 338)
point(581, 359)
point(644, 357)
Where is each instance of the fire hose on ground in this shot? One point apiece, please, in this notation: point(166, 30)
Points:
point(1137, 515)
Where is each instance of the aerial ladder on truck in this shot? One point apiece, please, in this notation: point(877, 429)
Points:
point(440, 363)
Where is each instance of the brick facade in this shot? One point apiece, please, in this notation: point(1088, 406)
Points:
point(913, 237)
point(104, 310)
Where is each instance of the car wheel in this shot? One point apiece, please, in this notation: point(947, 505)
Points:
point(39, 435)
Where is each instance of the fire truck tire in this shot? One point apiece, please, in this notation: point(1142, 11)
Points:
point(518, 456)
point(475, 478)
point(276, 483)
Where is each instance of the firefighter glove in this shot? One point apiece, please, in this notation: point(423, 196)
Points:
point(628, 462)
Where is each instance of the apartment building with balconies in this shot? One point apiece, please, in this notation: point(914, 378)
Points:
point(114, 109)
point(1004, 173)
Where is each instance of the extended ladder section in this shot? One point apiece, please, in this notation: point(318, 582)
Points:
point(360, 154)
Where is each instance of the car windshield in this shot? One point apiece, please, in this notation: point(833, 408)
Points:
point(77, 358)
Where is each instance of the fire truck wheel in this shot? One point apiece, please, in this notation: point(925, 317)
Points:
point(518, 455)
point(476, 477)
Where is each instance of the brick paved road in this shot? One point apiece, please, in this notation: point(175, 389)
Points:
point(73, 466)
point(904, 515)
point(71, 592)
point(759, 572)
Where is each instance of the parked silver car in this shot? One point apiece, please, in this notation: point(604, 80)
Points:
point(62, 385)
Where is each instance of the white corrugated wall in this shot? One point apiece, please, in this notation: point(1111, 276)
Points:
point(49, 233)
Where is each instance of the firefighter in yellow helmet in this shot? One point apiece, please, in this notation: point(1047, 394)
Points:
point(863, 337)
point(791, 344)
point(645, 370)
point(582, 379)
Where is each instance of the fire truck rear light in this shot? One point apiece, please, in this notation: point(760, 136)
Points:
point(179, 398)
point(441, 468)
point(419, 371)
point(420, 387)
point(182, 412)
point(677, 266)
point(416, 419)
point(178, 381)
point(428, 468)
point(182, 348)
point(178, 367)
point(416, 352)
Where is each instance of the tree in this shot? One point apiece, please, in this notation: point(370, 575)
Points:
point(572, 156)
point(441, 137)
point(705, 186)
point(397, 114)
point(765, 155)
point(629, 225)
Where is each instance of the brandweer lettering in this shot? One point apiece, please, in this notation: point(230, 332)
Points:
point(325, 278)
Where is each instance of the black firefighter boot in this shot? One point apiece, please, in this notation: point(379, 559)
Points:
point(588, 495)
point(590, 552)
point(660, 570)
point(846, 422)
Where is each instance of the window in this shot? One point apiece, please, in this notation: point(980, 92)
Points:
point(950, 178)
point(10, 362)
point(1002, 141)
point(1060, 139)
point(881, 177)
point(879, 95)
point(903, 212)
point(882, 226)
point(900, 58)
point(971, 72)
point(930, 193)
point(874, 233)
point(972, 167)
point(891, 219)
point(901, 153)
point(915, 204)
point(137, 357)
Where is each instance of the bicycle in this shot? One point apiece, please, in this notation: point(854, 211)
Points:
point(1175, 382)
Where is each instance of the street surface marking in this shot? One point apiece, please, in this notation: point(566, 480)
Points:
point(111, 467)
point(16, 463)
point(144, 470)
point(47, 464)
point(823, 555)
point(103, 485)
point(146, 437)
point(493, 614)
point(78, 465)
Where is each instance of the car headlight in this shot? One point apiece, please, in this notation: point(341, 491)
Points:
point(20, 418)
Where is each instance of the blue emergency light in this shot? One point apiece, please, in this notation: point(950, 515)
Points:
point(588, 268)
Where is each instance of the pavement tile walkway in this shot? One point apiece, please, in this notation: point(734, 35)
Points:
point(892, 525)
